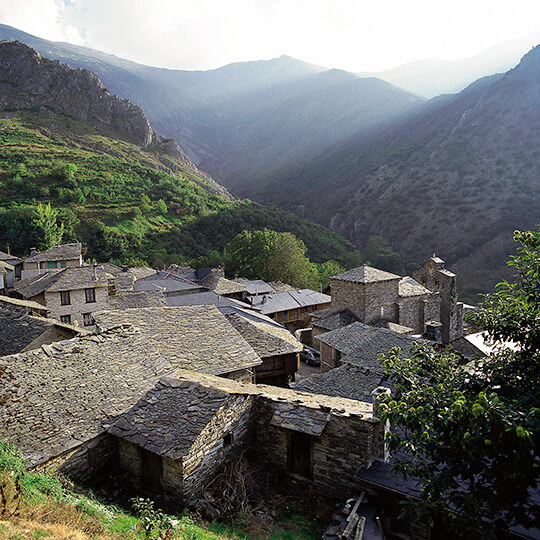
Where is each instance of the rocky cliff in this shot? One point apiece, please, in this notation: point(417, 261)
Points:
point(29, 80)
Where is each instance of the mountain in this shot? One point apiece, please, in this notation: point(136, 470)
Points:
point(243, 121)
point(432, 77)
point(455, 178)
point(117, 186)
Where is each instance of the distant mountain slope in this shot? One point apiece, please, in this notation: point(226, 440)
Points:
point(432, 77)
point(242, 121)
point(122, 190)
point(456, 178)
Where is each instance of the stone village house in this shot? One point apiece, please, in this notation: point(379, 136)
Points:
point(112, 400)
point(54, 258)
point(72, 295)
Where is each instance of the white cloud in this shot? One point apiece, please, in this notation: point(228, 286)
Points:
point(356, 35)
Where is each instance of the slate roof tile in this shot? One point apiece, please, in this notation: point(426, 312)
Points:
point(63, 252)
point(365, 274)
point(190, 337)
point(63, 394)
point(266, 339)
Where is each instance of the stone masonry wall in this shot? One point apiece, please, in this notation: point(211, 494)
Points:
point(381, 298)
point(90, 459)
point(329, 357)
point(411, 313)
point(432, 308)
point(210, 451)
point(368, 301)
point(78, 305)
point(346, 445)
point(346, 294)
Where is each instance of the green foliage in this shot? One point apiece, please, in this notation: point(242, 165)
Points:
point(378, 253)
point(152, 519)
point(325, 270)
point(11, 460)
point(471, 433)
point(46, 219)
point(121, 204)
point(271, 256)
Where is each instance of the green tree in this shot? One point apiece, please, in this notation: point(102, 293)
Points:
point(46, 219)
point(271, 256)
point(471, 432)
point(325, 270)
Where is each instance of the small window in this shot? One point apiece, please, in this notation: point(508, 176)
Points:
point(42, 265)
point(65, 298)
point(66, 319)
point(62, 264)
point(90, 295)
point(88, 319)
point(51, 264)
point(227, 439)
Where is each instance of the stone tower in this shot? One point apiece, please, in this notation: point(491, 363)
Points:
point(435, 277)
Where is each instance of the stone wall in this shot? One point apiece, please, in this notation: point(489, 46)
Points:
point(78, 305)
point(346, 444)
point(240, 375)
point(330, 358)
point(277, 369)
point(432, 308)
point(51, 335)
point(368, 301)
point(87, 460)
point(346, 294)
point(411, 312)
point(225, 436)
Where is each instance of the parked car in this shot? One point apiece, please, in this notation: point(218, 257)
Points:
point(310, 356)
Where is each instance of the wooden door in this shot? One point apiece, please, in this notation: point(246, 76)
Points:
point(300, 454)
point(152, 472)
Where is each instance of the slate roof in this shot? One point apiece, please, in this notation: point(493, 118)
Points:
point(203, 298)
point(19, 330)
point(5, 266)
point(284, 398)
point(111, 268)
point(331, 318)
point(266, 339)
point(6, 257)
point(170, 417)
point(192, 337)
point(136, 299)
point(67, 279)
point(274, 303)
point(410, 287)
point(166, 282)
point(61, 395)
point(362, 344)
point(256, 286)
point(365, 274)
point(35, 285)
point(221, 285)
point(63, 252)
point(124, 281)
point(347, 381)
point(141, 272)
point(279, 286)
point(25, 304)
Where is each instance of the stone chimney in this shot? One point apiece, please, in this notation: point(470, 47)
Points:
point(33, 251)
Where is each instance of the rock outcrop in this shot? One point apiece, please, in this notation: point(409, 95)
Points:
point(29, 80)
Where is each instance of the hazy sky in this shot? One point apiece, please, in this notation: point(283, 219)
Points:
point(355, 35)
